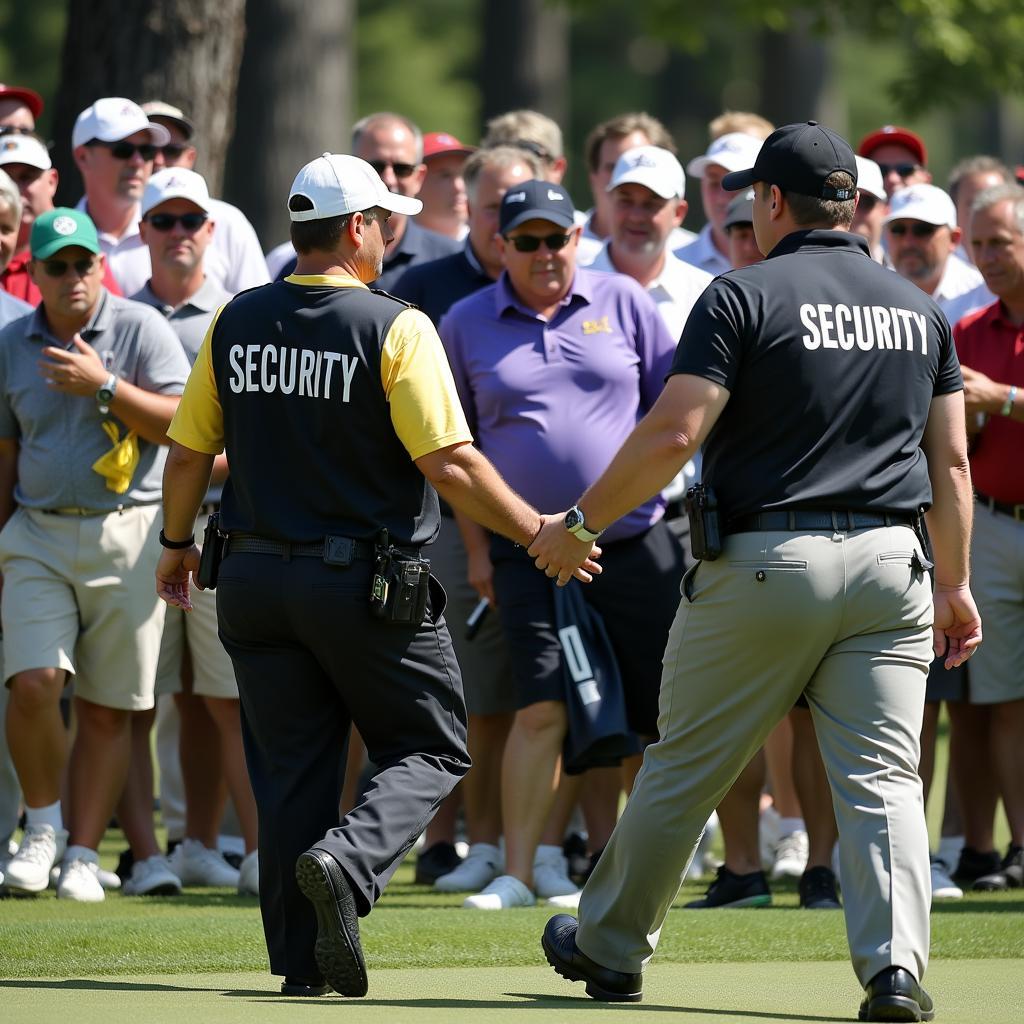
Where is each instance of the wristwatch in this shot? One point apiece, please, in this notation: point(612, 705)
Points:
point(1011, 397)
point(105, 395)
point(575, 525)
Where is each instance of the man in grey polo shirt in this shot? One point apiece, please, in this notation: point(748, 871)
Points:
point(177, 226)
point(88, 385)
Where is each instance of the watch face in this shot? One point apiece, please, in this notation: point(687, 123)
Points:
point(104, 394)
point(573, 519)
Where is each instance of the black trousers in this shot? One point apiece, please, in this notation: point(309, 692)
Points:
point(311, 660)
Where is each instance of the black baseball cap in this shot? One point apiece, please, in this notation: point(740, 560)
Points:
point(799, 158)
point(536, 200)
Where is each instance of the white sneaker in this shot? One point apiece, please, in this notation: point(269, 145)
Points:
point(791, 855)
point(7, 851)
point(703, 862)
point(152, 877)
point(481, 866)
point(41, 847)
point(551, 873)
point(108, 879)
point(249, 875)
point(570, 901)
point(196, 864)
point(504, 892)
point(78, 879)
point(943, 886)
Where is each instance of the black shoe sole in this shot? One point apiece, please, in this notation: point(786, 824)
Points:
point(338, 952)
point(295, 990)
point(593, 989)
point(894, 1008)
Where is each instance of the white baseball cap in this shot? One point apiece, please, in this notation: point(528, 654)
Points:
point(869, 178)
point(24, 149)
point(735, 151)
point(338, 184)
point(650, 166)
point(922, 202)
point(175, 183)
point(114, 118)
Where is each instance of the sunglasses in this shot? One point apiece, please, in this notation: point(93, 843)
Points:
point(172, 151)
point(903, 170)
point(58, 268)
point(15, 129)
point(531, 243)
point(165, 221)
point(402, 171)
point(866, 203)
point(918, 229)
point(126, 150)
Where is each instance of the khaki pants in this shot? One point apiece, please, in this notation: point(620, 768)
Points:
point(843, 617)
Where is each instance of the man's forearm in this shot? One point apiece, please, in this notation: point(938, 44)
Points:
point(469, 483)
point(949, 524)
point(146, 412)
point(186, 481)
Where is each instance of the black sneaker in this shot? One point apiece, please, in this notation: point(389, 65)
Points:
point(1009, 876)
point(732, 890)
point(435, 861)
point(974, 864)
point(574, 849)
point(125, 862)
point(818, 889)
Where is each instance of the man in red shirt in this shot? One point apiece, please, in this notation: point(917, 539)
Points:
point(990, 344)
point(25, 158)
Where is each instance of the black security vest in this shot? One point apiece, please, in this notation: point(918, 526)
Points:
point(307, 426)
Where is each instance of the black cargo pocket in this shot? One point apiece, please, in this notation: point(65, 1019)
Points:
point(686, 587)
point(438, 599)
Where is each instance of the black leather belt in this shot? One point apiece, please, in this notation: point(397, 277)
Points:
point(1005, 507)
point(253, 544)
point(805, 519)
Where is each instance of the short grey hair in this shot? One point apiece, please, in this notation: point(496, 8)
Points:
point(9, 195)
point(977, 165)
point(998, 194)
point(501, 158)
point(525, 128)
point(364, 124)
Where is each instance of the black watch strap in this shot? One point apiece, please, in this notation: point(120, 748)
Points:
point(176, 545)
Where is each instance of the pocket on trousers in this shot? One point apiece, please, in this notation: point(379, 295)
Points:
point(686, 585)
point(895, 557)
point(769, 565)
point(438, 599)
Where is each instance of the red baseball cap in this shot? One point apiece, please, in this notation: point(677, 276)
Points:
point(900, 136)
point(29, 97)
point(439, 143)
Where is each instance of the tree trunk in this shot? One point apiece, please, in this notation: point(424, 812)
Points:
point(795, 67)
point(185, 52)
point(525, 58)
point(295, 101)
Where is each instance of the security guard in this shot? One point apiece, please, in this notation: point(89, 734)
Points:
point(830, 398)
point(335, 406)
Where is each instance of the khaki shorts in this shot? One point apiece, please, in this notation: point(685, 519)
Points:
point(80, 595)
point(212, 674)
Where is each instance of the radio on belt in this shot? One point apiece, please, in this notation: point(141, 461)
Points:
point(705, 535)
point(400, 584)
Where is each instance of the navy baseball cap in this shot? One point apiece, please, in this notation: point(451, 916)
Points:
point(536, 200)
point(799, 158)
point(740, 211)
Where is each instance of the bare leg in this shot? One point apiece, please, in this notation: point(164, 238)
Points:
point(738, 818)
point(201, 773)
point(441, 828)
point(36, 735)
point(1008, 758)
point(135, 807)
point(353, 770)
point(599, 798)
point(778, 752)
point(529, 780)
point(929, 733)
point(225, 715)
point(813, 789)
point(971, 772)
point(482, 785)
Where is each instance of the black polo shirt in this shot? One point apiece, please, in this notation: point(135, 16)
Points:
point(436, 286)
point(831, 362)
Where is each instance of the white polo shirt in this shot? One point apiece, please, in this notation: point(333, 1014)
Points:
point(702, 253)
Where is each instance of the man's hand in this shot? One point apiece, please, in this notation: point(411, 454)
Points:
point(981, 393)
point(957, 627)
point(172, 576)
point(75, 373)
point(559, 554)
point(480, 573)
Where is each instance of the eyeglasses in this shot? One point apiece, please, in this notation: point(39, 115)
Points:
point(903, 170)
point(58, 268)
point(402, 171)
point(531, 243)
point(165, 221)
point(918, 229)
point(172, 151)
point(126, 150)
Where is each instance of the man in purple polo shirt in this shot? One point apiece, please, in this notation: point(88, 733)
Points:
point(555, 366)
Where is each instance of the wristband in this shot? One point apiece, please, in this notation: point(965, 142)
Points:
point(1007, 408)
point(176, 545)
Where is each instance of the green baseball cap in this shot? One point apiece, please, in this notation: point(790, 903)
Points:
point(59, 228)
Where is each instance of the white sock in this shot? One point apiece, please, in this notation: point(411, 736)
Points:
point(547, 852)
point(45, 816)
point(81, 853)
point(949, 850)
point(787, 826)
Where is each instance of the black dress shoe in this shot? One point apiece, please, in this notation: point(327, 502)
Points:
point(298, 987)
point(559, 945)
point(894, 994)
point(338, 952)
point(435, 861)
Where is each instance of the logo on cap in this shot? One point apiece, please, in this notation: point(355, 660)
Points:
point(519, 197)
point(555, 196)
point(65, 225)
point(643, 160)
